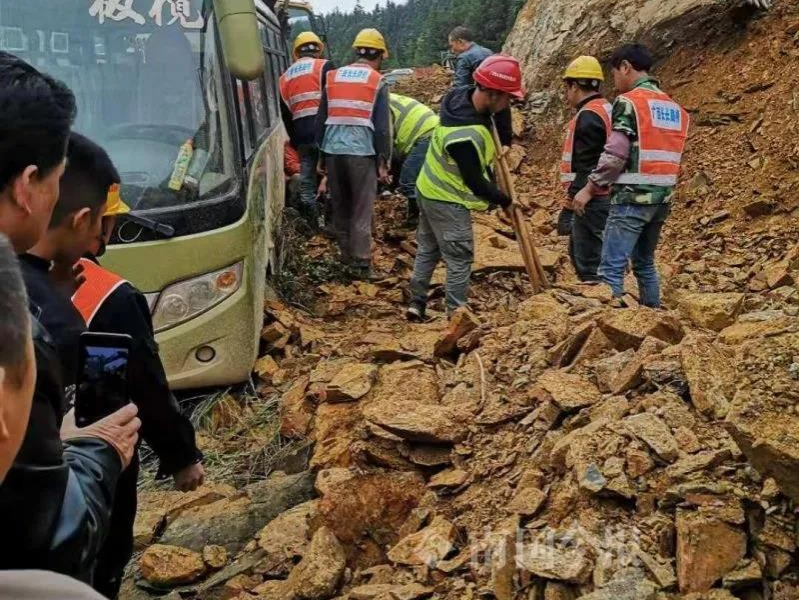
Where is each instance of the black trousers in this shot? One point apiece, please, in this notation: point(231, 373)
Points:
point(118, 547)
point(585, 246)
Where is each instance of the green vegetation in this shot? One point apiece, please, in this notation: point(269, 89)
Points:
point(417, 30)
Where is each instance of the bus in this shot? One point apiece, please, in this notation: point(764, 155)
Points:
point(183, 94)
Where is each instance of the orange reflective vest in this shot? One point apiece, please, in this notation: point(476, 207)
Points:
point(99, 285)
point(662, 133)
point(600, 107)
point(301, 87)
point(351, 95)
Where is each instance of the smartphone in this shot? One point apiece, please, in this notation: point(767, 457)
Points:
point(102, 386)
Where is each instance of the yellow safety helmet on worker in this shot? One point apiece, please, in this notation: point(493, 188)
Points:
point(370, 39)
point(584, 67)
point(308, 41)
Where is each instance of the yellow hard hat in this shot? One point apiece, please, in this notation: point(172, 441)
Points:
point(371, 38)
point(114, 203)
point(584, 67)
point(305, 38)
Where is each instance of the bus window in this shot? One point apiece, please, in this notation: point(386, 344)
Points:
point(245, 118)
point(260, 112)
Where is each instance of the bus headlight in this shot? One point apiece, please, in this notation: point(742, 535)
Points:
point(182, 301)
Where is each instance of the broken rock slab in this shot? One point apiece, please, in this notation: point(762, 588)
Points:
point(318, 574)
point(386, 591)
point(167, 566)
point(286, 538)
point(352, 383)
point(710, 374)
point(569, 391)
point(631, 376)
point(428, 547)
point(707, 550)
point(461, 324)
point(713, 310)
point(655, 434)
point(551, 561)
point(448, 480)
point(628, 328)
point(629, 584)
point(433, 424)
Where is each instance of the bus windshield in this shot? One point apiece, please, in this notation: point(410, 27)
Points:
point(148, 84)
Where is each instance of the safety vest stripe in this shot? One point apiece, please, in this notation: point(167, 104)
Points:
point(447, 188)
point(642, 179)
point(418, 127)
point(466, 136)
point(353, 104)
point(567, 157)
point(356, 121)
point(306, 112)
point(305, 97)
point(568, 177)
point(403, 112)
point(661, 156)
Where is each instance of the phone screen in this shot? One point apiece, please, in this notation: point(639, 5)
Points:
point(103, 383)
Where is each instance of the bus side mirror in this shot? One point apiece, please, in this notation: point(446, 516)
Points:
point(241, 41)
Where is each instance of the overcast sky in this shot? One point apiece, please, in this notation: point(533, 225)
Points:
point(326, 6)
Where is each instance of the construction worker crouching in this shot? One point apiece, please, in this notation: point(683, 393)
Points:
point(354, 125)
point(301, 93)
point(642, 162)
point(456, 180)
point(586, 136)
point(413, 125)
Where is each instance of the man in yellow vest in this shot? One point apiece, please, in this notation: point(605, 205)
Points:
point(107, 303)
point(413, 125)
point(586, 136)
point(456, 179)
point(301, 95)
point(354, 128)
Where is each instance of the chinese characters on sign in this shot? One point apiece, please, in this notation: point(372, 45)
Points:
point(120, 10)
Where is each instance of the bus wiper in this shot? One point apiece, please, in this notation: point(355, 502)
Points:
point(162, 228)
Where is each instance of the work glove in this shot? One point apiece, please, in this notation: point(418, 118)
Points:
point(761, 4)
point(501, 200)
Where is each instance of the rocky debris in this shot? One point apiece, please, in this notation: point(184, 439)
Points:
point(707, 550)
point(318, 574)
point(428, 547)
point(232, 522)
point(628, 328)
point(286, 538)
point(529, 496)
point(628, 584)
point(296, 411)
point(449, 479)
point(655, 433)
point(168, 566)
point(710, 375)
point(266, 367)
point(712, 311)
point(632, 375)
point(387, 591)
point(434, 424)
point(550, 561)
point(461, 324)
point(215, 557)
point(353, 382)
point(569, 391)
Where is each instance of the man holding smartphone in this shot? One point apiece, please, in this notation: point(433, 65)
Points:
point(110, 305)
point(55, 501)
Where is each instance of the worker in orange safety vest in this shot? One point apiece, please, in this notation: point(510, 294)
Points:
point(354, 124)
point(301, 94)
point(641, 162)
point(586, 136)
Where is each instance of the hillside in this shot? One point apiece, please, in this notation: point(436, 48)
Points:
point(548, 447)
point(417, 30)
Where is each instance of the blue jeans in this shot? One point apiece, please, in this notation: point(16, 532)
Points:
point(309, 156)
point(632, 234)
point(411, 168)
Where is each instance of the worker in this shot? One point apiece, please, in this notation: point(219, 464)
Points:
point(586, 136)
point(456, 179)
point(469, 55)
point(413, 124)
point(301, 94)
point(354, 125)
point(641, 162)
point(107, 303)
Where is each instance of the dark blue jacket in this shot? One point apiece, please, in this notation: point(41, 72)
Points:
point(466, 64)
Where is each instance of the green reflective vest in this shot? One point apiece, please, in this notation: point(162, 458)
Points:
point(441, 179)
point(412, 120)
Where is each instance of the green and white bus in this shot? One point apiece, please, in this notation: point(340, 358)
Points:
point(183, 94)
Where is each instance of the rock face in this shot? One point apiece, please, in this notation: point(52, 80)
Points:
point(168, 566)
point(318, 574)
point(707, 549)
point(712, 311)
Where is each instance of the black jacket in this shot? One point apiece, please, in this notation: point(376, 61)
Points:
point(55, 502)
point(590, 137)
point(168, 432)
point(302, 132)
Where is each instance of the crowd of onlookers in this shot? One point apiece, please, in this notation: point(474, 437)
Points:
point(68, 493)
